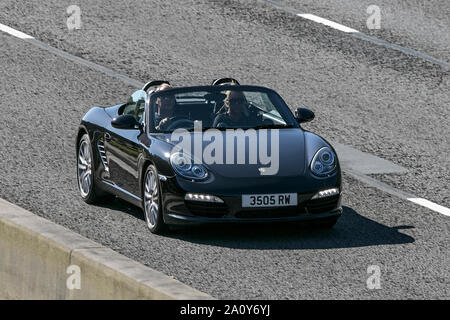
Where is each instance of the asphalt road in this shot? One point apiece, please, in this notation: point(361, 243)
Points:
point(371, 98)
point(419, 25)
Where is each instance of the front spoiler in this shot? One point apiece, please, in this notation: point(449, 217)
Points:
point(182, 220)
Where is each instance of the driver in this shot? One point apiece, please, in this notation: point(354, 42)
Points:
point(165, 108)
point(236, 114)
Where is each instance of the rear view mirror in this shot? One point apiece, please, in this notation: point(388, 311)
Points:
point(304, 115)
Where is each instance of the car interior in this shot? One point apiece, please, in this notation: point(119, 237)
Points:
point(204, 108)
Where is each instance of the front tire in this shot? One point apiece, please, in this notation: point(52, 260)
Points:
point(152, 202)
point(85, 173)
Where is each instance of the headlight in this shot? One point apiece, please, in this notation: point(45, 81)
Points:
point(324, 162)
point(184, 166)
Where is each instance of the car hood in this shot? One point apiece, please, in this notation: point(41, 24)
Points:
point(287, 160)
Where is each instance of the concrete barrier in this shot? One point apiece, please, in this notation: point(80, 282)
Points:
point(35, 255)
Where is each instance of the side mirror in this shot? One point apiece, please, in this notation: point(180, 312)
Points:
point(304, 115)
point(125, 121)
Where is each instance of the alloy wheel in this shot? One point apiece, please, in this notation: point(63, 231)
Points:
point(151, 199)
point(84, 168)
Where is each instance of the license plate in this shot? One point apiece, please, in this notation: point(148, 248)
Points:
point(269, 200)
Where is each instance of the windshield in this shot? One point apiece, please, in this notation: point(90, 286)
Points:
point(228, 108)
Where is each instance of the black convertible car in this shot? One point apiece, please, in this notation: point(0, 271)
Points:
point(208, 154)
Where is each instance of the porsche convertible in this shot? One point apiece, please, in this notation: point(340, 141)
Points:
point(218, 153)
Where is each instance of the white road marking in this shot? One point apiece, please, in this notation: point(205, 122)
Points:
point(431, 205)
point(70, 57)
point(360, 176)
point(355, 33)
point(398, 193)
point(327, 22)
point(14, 32)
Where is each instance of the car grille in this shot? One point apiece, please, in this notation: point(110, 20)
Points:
point(207, 209)
point(322, 205)
point(311, 206)
point(217, 210)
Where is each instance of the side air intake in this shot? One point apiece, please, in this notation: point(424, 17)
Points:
point(101, 150)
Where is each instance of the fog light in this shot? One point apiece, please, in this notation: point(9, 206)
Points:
point(202, 197)
point(326, 193)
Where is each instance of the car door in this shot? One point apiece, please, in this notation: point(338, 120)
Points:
point(122, 148)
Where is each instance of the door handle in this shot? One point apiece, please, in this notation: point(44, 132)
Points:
point(107, 136)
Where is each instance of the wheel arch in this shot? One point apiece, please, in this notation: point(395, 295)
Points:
point(81, 132)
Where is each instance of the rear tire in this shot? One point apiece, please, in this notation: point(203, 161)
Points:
point(152, 202)
point(89, 192)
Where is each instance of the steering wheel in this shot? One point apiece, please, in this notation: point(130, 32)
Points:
point(180, 123)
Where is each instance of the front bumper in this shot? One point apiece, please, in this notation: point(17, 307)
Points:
point(177, 210)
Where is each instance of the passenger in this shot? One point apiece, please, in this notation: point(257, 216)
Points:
point(236, 114)
point(165, 109)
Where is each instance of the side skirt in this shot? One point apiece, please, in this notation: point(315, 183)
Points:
point(122, 193)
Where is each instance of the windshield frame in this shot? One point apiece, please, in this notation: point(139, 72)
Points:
point(285, 111)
